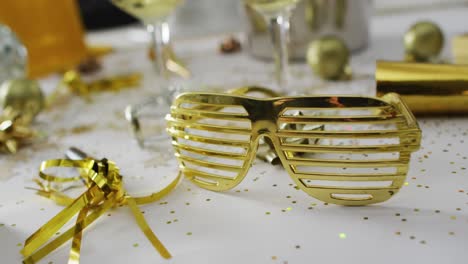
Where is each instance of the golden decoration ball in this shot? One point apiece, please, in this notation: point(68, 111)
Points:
point(328, 57)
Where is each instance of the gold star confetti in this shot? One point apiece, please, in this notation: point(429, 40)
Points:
point(342, 235)
point(189, 233)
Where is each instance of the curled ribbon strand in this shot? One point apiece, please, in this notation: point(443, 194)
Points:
point(105, 191)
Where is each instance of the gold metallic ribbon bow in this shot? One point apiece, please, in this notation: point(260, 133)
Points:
point(14, 131)
point(105, 191)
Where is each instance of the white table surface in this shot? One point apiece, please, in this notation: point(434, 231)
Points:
point(233, 227)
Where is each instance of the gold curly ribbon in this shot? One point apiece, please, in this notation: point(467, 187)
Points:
point(105, 191)
point(72, 82)
point(14, 131)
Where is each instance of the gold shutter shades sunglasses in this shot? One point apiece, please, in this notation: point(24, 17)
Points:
point(344, 150)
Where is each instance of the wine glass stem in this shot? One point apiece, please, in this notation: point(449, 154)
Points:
point(279, 31)
point(161, 39)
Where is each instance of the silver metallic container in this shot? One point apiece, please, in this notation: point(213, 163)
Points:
point(312, 19)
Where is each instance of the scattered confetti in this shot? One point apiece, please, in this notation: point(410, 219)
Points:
point(189, 233)
point(342, 235)
point(135, 245)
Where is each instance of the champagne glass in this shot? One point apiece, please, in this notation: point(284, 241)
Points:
point(277, 14)
point(154, 14)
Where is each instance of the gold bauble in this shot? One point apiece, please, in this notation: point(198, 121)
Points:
point(328, 57)
point(423, 41)
point(23, 96)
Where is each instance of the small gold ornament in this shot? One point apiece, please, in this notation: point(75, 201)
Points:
point(14, 131)
point(329, 58)
point(423, 42)
point(23, 96)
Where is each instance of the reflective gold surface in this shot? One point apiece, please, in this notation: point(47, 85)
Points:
point(426, 88)
point(216, 136)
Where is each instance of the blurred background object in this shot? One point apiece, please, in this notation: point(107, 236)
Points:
point(329, 58)
point(51, 31)
point(101, 14)
point(13, 55)
point(311, 20)
point(460, 49)
point(423, 41)
point(23, 96)
point(275, 20)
